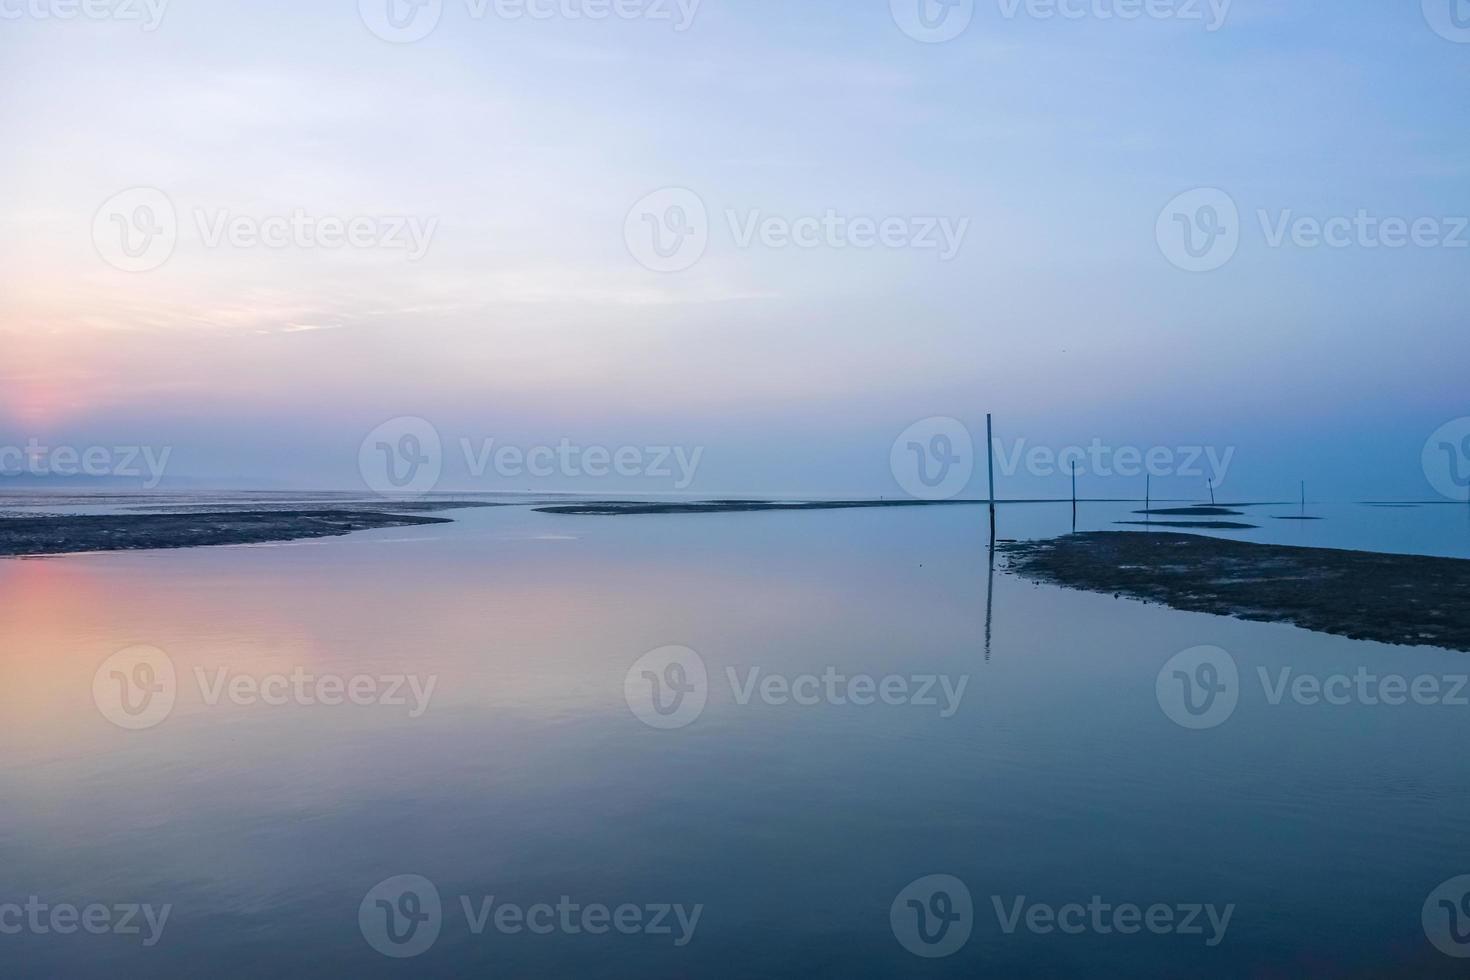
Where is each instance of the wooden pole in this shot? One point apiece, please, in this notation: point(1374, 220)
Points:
point(990, 460)
point(1074, 495)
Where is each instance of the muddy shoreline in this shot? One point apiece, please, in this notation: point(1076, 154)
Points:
point(61, 535)
point(613, 508)
point(1400, 599)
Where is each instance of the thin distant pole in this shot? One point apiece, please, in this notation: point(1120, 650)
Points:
point(1304, 496)
point(1212, 491)
point(1148, 486)
point(1074, 495)
point(990, 460)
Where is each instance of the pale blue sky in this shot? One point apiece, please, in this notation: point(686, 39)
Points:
point(528, 320)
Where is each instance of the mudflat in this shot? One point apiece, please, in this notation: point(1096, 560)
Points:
point(57, 535)
point(1403, 599)
point(610, 508)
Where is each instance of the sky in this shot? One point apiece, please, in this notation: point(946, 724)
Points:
point(884, 228)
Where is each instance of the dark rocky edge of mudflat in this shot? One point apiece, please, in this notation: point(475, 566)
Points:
point(70, 534)
point(1401, 599)
point(612, 508)
point(407, 506)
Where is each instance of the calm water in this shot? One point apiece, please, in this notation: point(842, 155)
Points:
point(1057, 776)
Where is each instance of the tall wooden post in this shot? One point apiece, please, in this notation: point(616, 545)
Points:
point(1074, 495)
point(990, 461)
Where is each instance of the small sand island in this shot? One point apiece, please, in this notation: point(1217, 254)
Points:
point(1403, 599)
point(61, 535)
